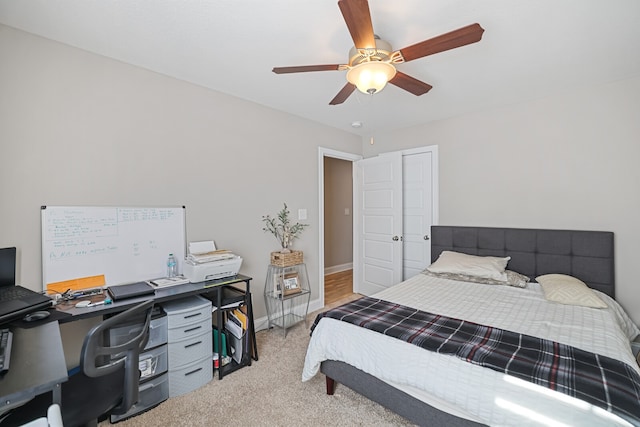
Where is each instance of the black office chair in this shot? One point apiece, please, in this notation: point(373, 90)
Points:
point(108, 379)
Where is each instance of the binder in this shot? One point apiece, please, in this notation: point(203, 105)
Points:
point(223, 343)
point(130, 290)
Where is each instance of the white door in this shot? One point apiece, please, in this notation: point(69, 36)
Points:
point(378, 207)
point(417, 206)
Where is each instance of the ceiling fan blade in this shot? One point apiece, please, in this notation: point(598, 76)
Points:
point(305, 68)
point(358, 19)
point(408, 83)
point(343, 94)
point(456, 38)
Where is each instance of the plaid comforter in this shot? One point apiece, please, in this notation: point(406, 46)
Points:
point(599, 380)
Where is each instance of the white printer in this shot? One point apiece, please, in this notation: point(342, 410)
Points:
point(212, 270)
point(204, 263)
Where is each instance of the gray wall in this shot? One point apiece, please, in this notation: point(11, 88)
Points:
point(566, 162)
point(338, 226)
point(80, 129)
point(77, 128)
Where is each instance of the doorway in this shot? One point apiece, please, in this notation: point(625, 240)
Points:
point(335, 219)
point(428, 183)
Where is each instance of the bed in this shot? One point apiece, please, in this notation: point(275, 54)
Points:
point(435, 389)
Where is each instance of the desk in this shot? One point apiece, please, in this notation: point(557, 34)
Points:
point(37, 366)
point(168, 294)
point(37, 357)
point(161, 295)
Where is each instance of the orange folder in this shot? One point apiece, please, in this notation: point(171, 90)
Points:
point(76, 284)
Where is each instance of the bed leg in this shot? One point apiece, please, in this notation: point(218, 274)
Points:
point(331, 385)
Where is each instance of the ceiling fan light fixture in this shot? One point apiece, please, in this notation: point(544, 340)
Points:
point(371, 76)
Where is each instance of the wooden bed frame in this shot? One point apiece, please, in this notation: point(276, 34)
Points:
point(587, 255)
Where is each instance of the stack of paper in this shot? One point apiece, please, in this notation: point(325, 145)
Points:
point(209, 256)
point(169, 281)
point(205, 251)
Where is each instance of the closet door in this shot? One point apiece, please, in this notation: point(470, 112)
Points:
point(417, 211)
point(378, 232)
point(395, 205)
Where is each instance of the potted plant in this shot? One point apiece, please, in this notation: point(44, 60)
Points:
point(282, 228)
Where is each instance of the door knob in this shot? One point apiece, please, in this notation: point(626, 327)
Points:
point(395, 238)
point(426, 237)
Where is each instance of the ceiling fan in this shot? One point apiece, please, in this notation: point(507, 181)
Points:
point(372, 61)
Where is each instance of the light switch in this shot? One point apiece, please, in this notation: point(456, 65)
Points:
point(346, 211)
point(302, 214)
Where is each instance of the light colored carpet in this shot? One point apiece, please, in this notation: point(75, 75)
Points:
point(270, 392)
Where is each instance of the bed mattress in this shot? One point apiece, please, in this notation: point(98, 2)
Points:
point(467, 390)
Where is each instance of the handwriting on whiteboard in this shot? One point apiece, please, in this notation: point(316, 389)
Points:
point(75, 232)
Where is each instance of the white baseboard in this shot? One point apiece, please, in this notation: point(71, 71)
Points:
point(338, 268)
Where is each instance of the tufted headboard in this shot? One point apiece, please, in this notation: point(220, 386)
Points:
point(587, 255)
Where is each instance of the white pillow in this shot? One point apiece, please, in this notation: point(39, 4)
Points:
point(569, 290)
point(512, 278)
point(472, 265)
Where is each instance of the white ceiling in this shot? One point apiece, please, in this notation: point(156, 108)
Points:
point(530, 48)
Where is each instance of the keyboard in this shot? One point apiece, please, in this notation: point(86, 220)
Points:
point(6, 339)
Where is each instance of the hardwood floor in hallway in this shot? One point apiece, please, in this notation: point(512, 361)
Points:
point(338, 286)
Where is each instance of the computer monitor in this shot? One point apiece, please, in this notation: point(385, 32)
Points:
point(7, 266)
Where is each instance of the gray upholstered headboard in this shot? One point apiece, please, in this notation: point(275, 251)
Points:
point(587, 255)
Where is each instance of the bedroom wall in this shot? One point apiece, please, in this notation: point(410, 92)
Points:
point(569, 161)
point(81, 129)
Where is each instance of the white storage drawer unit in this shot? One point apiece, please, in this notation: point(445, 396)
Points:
point(190, 348)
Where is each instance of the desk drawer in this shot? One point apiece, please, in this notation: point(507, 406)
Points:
point(157, 332)
point(151, 393)
point(191, 376)
point(190, 330)
point(187, 311)
point(153, 362)
point(192, 348)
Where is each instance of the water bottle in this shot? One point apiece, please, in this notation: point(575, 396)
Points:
point(172, 266)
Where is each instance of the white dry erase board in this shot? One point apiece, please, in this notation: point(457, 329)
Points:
point(126, 244)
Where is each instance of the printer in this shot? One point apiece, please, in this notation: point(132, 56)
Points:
point(204, 263)
point(212, 270)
